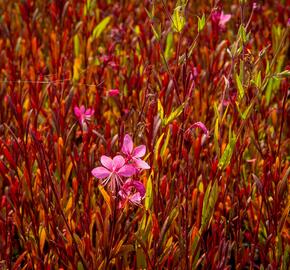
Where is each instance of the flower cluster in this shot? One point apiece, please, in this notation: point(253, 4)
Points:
point(128, 165)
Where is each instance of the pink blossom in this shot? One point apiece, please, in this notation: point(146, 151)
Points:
point(132, 191)
point(113, 170)
point(113, 92)
point(199, 125)
point(219, 18)
point(134, 154)
point(83, 114)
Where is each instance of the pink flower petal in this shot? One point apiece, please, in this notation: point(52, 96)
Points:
point(107, 162)
point(113, 92)
point(126, 171)
point(141, 164)
point(83, 109)
point(135, 198)
point(77, 111)
point(100, 172)
point(139, 187)
point(122, 194)
point(127, 147)
point(200, 125)
point(215, 16)
point(224, 18)
point(89, 112)
point(133, 191)
point(139, 151)
point(118, 162)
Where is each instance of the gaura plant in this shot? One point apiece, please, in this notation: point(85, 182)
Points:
point(114, 171)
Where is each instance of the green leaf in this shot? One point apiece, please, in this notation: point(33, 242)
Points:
point(149, 14)
point(160, 110)
point(227, 154)
point(242, 33)
point(76, 45)
point(209, 201)
point(240, 87)
point(101, 27)
point(164, 146)
point(241, 75)
point(166, 225)
point(149, 193)
point(238, 108)
point(80, 266)
point(157, 146)
point(216, 110)
point(258, 80)
point(269, 90)
point(193, 248)
point(174, 114)
point(201, 23)
point(77, 69)
point(216, 136)
point(140, 256)
point(286, 256)
point(168, 48)
point(246, 113)
point(178, 19)
point(156, 31)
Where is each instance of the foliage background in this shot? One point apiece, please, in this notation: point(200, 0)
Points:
point(211, 203)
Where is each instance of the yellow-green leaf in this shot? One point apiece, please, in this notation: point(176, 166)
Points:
point(178, 19)
point(160, 110)
point(168, 48)
point(216, 136)
point(201, 23)
point(240, 87)
point(76, 45)
point(101, 27)
point(77, 69)
point(227, 154)
point(164, 146)
point(157, 146)
point(174, 114)
point(149, 193)
point(209, 201)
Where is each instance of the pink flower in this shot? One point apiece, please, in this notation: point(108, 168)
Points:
point(134, 154)
point(219, 18)
point(112, 171)
point(132, 191)
point(83, 114)
point(199, 125)
point(113, 92)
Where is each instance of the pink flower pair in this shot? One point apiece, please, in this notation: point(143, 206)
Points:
point(113, 171)
point(220, 19)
